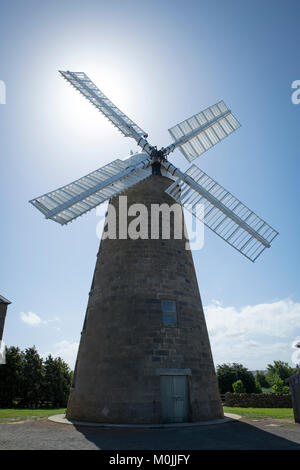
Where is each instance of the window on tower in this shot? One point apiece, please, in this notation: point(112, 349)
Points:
point(169, 316)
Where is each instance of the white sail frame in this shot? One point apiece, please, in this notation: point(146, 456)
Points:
point(199, 133)
point(224, 214)
point(74, 199)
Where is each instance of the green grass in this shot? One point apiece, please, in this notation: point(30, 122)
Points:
point(20, 414)
point(277, 413)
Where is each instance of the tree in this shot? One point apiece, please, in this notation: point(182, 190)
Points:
point(32, 378)
point(279, 386)
point(258, 386)
point(11, 377)
point(57, 382)
point(28, 381)
point(227, 374)
point(277, 370)
point(261, 379)
point(238, 387)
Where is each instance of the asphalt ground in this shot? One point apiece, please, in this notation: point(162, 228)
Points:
point(246, 434)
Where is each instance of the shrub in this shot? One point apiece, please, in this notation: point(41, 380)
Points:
point(279, 386)
point(238, 387)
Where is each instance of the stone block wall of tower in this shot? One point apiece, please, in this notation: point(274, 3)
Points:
point(124, 344)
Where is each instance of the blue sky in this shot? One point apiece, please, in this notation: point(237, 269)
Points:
point(160, 62)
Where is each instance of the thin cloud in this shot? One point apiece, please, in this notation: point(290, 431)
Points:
point(254, 335)
point(30, 318)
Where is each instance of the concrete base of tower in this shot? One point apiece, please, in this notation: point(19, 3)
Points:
point(61, 419)
point(144, 354)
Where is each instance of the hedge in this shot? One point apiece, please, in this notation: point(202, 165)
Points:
point(258, 400)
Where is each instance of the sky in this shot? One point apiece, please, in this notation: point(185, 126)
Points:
point(160, 62)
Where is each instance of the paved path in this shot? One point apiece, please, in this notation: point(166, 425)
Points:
point(243, 434)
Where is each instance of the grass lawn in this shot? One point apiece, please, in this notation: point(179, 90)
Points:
point(19, 414)
point(261, 412)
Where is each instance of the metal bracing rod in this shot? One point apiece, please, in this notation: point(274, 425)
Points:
point(182, 140)
point(145, 145)
point(102, 184)
point(141, 141)
point(193, 184)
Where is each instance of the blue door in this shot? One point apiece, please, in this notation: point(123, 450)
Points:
point(174, 398)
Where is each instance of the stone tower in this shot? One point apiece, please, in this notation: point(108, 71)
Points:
point(3, 308)
point(144, 354)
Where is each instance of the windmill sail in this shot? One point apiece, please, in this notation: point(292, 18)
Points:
point(80, 196)
point(89, 90)
point(202, 131)
point(224, 214)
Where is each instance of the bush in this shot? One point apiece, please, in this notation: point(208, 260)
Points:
point(238, 387)
point(279, 386)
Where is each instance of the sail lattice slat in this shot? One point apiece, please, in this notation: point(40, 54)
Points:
point(75, 199)
point(224, 214)
point(199, 133)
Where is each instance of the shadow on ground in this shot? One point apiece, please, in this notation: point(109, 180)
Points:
point(235, 435)
point(43, 435)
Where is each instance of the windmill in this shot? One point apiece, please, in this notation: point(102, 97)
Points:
point(144, 354)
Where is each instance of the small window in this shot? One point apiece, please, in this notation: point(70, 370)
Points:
point(169, 312)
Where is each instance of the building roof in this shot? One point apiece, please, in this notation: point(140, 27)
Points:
point(3, 300)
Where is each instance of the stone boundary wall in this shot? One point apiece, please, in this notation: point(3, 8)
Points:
point(258, 400)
